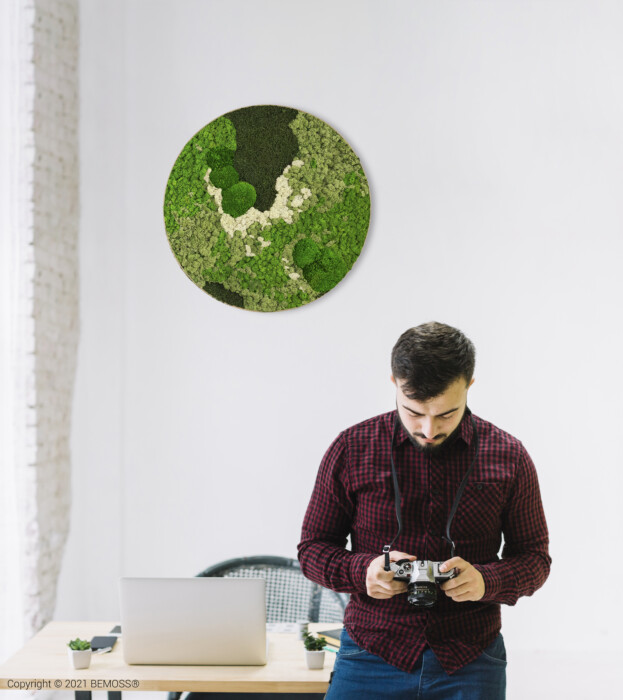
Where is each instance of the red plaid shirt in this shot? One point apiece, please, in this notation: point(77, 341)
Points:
point(354, 495)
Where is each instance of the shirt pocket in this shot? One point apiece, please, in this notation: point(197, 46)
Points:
point(373, 532)
point(374, 520)
point(479, 514)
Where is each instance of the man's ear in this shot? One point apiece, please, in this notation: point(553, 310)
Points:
point(391, 376)
point(473, 380)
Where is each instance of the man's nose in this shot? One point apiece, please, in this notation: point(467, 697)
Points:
point(428, 429)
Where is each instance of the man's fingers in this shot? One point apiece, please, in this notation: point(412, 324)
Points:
point(386, 589)
point(456, 581)
point(458, 588)
point(382, 592)
point(454, 563)
point(393, 586)
point(380, 583)
point(468, 585)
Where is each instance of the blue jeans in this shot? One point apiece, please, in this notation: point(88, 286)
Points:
point(360, 675)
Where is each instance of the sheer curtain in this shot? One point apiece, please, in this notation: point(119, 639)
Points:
point(39, 177)
point(14, 194)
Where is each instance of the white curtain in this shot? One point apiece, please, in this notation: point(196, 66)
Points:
point(13, 310)
point(39, 177)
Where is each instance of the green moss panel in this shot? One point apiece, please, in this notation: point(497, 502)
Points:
point(222, 187)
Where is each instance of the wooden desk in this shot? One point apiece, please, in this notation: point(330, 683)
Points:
point(44, 659)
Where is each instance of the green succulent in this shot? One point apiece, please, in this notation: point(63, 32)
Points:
point(79, 644)
point(313, 643)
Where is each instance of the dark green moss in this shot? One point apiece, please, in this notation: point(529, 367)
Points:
point(238, 199)
point(305, 252)
point(224, 177)
point(266, 144)
point(219, 157)
point(325, 272)
point(218, 291)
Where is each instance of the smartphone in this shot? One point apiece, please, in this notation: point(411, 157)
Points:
point(103, 642)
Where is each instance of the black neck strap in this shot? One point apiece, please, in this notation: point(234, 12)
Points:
point(457, 497)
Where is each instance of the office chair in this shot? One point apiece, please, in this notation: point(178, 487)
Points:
point(289, 597)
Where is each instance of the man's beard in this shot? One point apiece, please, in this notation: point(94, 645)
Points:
point(432, 449)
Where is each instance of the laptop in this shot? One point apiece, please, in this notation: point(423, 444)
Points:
point(193, 621)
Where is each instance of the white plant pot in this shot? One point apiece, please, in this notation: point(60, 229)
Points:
point(315, 659)
point(80, 658)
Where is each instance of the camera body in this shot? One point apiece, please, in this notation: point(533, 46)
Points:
point(422, 577)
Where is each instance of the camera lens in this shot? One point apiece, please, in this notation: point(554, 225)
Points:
point(422, 594)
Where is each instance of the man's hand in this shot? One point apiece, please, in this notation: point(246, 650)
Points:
point(468, 585)
point(380, 583)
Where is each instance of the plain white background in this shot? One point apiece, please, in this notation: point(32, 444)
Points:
point(491, 135)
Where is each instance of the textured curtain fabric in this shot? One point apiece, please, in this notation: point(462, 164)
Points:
point(39, 304)
point(12, 81)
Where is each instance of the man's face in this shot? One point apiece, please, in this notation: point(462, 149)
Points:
point(431, 422)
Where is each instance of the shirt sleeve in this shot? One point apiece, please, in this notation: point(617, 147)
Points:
point(322, 550)
point(525, 561)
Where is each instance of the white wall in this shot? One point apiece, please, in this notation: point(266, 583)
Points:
point(491, 136)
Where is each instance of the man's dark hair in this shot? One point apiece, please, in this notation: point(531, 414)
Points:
point(430, 357)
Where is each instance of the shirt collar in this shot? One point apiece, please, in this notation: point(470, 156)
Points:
point(466, 428)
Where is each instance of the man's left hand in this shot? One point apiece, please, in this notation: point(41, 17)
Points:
point(468, 585)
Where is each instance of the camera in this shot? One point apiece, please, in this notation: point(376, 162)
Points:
point(423, 577)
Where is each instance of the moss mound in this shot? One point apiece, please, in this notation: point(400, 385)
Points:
point(305, 252)
point(224, 177)
point(325, 272)
point(238, 199)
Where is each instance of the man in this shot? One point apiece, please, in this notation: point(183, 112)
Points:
point(390, 648)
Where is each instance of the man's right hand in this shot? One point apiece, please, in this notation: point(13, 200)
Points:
point(380, 583)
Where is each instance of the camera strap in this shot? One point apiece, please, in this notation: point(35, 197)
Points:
point(387, 547)
point(462, 485)
point(457, 498)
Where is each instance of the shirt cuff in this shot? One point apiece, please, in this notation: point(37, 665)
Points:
point(359, 564)
point(493, 581)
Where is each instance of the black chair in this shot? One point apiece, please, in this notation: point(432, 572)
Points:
point(289, 597)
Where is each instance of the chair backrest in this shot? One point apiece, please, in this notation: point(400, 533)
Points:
point(289, 595)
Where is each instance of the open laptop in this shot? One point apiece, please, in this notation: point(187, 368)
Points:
point(194, 621)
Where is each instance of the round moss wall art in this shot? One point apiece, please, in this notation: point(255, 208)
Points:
point(267, 208)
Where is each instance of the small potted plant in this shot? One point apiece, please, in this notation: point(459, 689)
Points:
point(79, 653)
point(314, 650)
